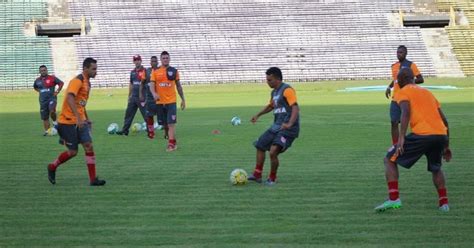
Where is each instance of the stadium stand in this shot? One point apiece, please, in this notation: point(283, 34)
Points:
point(233, 41)
point(21, 55)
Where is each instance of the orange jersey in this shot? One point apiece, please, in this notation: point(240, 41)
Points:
point(396, 69)
point(425, 118)
point(80, 88)
point(165, 88)
point(290, 96)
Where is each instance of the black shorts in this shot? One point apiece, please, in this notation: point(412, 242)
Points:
point(71, 136)
point(269, 138)
point(432, 146)
point(151, 109)
point(46, 107)
point(166, 114)
point(395, 112)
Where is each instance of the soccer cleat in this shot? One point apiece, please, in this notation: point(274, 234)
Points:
point(98, 182)
point(122, 133)
point(270, 182)
point(444, 208)
point(389, 204)
point(51, 175)
point(254, 178)
point(171, 148)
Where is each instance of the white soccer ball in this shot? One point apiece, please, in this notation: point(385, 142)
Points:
point(235, 121)
point(238, 177)
point(52, 131)
point(144, 126)
point(112, 128)
point(136, 127)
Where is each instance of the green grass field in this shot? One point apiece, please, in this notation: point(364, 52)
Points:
point(329, 181)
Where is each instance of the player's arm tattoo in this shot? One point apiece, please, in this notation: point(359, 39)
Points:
point(180, 90)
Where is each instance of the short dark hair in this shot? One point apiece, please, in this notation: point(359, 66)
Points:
point(87, 62)
point(405, 76)
point(402, 47)
point(153, 57)
point(164, 53)
point(275, 71)
point(41, 66)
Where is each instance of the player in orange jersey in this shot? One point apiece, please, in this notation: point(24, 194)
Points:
point(429, 137)
point(165, 82)
point(74, 124)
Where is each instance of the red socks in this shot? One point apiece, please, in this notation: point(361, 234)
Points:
point(273, 175)
point(393, 190)
point(258, 170)
point(63, 157)
point(443, 198)
point(149, 123)
point(394, 140)
point(90, 161)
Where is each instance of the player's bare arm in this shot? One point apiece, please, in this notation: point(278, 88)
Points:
point(265, 110)
point(60, 87)
point(71, 101)
point(405, 120)
point(419, 79)
point(153, 91)
point(294, 115)
point(447, 152)
point(179, 88)
point(388, 91)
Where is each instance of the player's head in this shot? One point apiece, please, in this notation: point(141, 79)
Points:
point(165, 58)
point(402, 52)
point(137, 60)
point(89, 67)
point(405, 76)
point(274, 77)
point(43, 70)
point(154, 61)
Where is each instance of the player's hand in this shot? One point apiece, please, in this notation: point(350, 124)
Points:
point(285, 126)
point(56, 93)
point(401, 143)
point(156, 97)
point(183, 105)
point(254, 119)
point(142, 99)
point(388, 92)
point(80, 123)
point(447, 155)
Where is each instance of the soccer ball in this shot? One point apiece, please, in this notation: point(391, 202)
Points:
point(235, 121)
point(112, 128)
point(238, 177)
point(136, 127)
point(52, 131)
point(144, 126)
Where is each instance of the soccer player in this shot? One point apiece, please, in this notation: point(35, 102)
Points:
point(429, 137)
point(285, 129)
point(150, 104)
point(135, 95)
point(395, 111)
point(74, 124)
point(164, 83)
point(45, 85)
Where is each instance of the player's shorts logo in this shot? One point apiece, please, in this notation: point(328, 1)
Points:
point(83, 103)
point(173, 117)
point(283, 140)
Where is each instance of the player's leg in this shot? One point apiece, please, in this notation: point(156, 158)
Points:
point(151, 110)
point(162, 116)
point(68, 137)
point(171, 119)
point(395, 115)
point(129, 115)
point(434, 156)
point(86, 140)
point(44, 112)
point(275, 150)
point(262, 145)
point(52, 112)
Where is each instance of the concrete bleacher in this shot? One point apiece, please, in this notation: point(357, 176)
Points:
point(222, 41)
point(21, 55)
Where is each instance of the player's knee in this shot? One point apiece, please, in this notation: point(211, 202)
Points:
point(88, 147)
point(72, 153)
